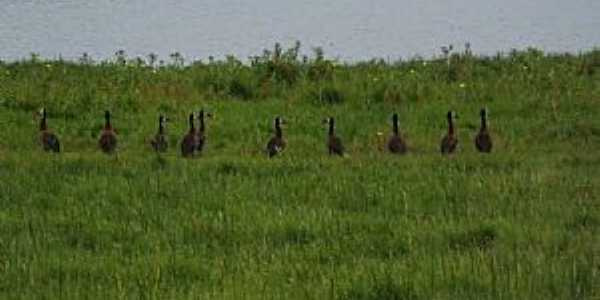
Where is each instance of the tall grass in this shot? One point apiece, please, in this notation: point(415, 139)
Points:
point(521, 223)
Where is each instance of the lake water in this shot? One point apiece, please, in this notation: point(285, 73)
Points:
point(346, 29)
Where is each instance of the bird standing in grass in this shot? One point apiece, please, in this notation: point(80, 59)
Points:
point(189, 144)
point(48, 139)
point(483, 140)
point(334, 143)
point(396, 143)
point(449, 142)
point(160, 143)
point(201, 133)
point(108, 136)
point(277, 143)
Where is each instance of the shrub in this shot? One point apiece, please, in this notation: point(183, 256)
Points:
point(482, 238)
point(240, 89)
point(277, 65)
point(320, 68)
point(385, 288)
point(328, 94)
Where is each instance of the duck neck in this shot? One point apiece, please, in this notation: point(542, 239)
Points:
point(331, 127)
point(43, 124)
point(161, 127)
point(483, 122)
point(107, 124)
point(202, 122)
point(396, 126)
point(278, 131)
point(450, 126)
point(192, 129)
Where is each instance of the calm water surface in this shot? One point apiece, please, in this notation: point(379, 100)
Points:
point(346, 29)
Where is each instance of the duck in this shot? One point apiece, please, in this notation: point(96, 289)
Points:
point(160, 143)
point(334, 143)
point(277, 143)
point(108, 136)
point(483, 140)
point(49, 140)
point(396, 143)
point(450, 141)
point(189, 144)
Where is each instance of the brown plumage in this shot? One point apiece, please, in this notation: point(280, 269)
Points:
point(277, 143)
point(189, 144)
point(48, 139)
point(160, 143)
point(108, 136)
point(483, 140)
point(450, 141)
point(396, 143)
point(334, 143)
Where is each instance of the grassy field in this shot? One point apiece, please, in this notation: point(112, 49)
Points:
point(520, 223)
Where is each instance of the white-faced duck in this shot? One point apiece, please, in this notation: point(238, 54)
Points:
point(201, 133)
point(334, 143)
point(160, 142)
point(48, 139)
point(396, 143)
point(189, 144)
point(277, 143)
point(483, 140)
point(108, 136)
point(450, 141)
